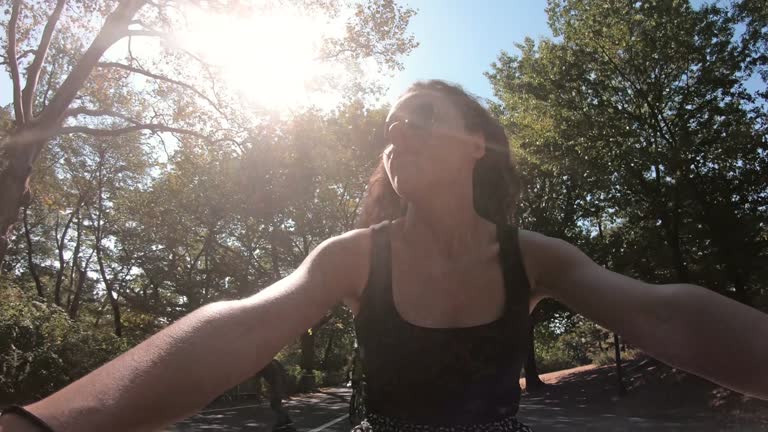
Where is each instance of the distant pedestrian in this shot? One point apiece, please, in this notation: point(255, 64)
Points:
point(274, 374)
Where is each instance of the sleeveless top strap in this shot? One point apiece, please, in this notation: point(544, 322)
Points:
point(516, 282)
point(374, 299)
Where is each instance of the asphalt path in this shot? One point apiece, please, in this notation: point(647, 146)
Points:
point(326, 411)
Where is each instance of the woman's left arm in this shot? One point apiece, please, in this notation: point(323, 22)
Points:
point(684, 325)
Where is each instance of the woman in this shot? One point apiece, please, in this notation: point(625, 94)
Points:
point(274, 374)
point(441, 296)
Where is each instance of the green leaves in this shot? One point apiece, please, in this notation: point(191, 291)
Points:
point(42, 349)
point(639, 140)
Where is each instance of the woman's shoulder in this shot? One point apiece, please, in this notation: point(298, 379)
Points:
point(541, 248)
point(347, 255)
point(542, 255)
point(348, 248)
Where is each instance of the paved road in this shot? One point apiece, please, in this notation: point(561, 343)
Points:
point(326, 412)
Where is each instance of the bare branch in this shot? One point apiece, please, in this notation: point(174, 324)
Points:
point(48, 87)
point(33, 72)
point(129, 129)
point(73, 112)
point(26, 53)
point(165, 146)
point(160, 78)
point(18, 57)
point(114, 29)
point(149, 33)
point(13, 64)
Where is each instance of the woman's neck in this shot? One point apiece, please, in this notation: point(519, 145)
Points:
point(451, 225)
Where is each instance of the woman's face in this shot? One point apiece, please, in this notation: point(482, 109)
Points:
point(428, 148)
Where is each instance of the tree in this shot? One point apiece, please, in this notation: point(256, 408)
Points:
point(41, 112)
point(151, 196)
point(649, 98)
point(639, 142)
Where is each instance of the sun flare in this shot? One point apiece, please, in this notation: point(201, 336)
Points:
point(271, 58)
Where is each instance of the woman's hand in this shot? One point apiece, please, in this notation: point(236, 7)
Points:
point(684, 325)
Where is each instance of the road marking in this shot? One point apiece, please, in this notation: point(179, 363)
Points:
point(330, 423)
point(228, 409)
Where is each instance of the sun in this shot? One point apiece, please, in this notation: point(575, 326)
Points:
point(272, 58)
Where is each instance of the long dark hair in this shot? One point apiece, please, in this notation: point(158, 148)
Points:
point(495, 181)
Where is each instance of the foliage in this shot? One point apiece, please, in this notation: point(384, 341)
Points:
point(42, 349)
point(157, 188)
point(640, 141)
point(163, 190)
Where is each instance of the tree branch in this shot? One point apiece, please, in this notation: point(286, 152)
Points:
point(13, 63)
point(33, 72)
point(19, 56)
point(657, 117)
point(149, 33)
point(160, 78)
point(129, 129)
point(114, 29)
point(73, 112)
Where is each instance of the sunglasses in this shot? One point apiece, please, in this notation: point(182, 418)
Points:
point(418, 119)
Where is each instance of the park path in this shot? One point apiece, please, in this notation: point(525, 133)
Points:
point(326, 411)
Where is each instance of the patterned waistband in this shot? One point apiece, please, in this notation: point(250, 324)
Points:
point(379, 423)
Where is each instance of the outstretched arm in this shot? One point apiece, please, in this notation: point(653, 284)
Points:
point(180, 369)
point(684, 325)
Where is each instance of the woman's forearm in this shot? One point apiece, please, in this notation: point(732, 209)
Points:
point(718, 338)
point(174, 373)
point(180, 369)
point(169, 376)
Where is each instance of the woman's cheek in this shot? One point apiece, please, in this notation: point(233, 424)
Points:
point(410, 173)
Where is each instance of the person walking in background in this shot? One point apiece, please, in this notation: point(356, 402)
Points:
point(275, 375)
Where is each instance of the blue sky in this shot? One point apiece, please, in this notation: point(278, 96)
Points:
point(459, 39)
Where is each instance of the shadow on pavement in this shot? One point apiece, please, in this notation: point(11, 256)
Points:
point(308, 412)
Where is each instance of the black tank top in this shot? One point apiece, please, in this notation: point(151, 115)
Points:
point(442, 376)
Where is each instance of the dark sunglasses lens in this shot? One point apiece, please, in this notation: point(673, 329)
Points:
point(422, 115)
point(418, 118)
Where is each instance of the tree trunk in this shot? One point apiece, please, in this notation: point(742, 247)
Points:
point(108, 283)
point(60, 245)
point(82, 277)
point(309, 356)
point(307, 381)
point(19, 152)
point(75, 262)
point(275, 255)
point(532, 380)
point(74, 306)
point(100, 314)
point(670, 224)
point(31, 262)
point(328, 348)
point(15, 167)
point(619, 375)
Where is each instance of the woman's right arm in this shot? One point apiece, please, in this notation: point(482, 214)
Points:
point(176, 372)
